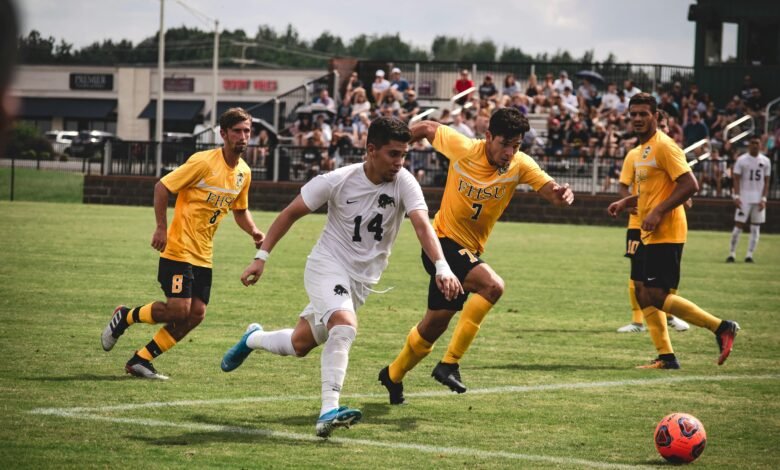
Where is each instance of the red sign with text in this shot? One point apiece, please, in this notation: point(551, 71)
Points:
point(244, 85)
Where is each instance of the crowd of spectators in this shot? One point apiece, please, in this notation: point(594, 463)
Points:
point(585, 118)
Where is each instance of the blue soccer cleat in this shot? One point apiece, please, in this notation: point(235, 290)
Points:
point(236, 355)
point(337, 418)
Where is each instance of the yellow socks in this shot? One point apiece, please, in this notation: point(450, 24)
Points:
point(690, 312)
point(656, 325)
point(636, 310)
point(141, 314)
point(161, 342)
point(415, 349)
point(471, 317)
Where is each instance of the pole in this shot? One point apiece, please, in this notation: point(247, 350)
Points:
point(214, 79)
point(160, 93)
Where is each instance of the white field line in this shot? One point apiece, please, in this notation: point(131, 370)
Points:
point(461, 451)
point(439, 393)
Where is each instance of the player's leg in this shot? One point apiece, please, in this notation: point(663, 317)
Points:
point(740, 217)
point(757, 217)
point(678, 324)
point(645, 272)
point(633, 240)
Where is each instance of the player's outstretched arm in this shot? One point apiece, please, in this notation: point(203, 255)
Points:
point(289, 215)
point(424, 130)
point(446, 281)
point(244, 220)
point(160, 235)
point(559, 195)
point(620, 205)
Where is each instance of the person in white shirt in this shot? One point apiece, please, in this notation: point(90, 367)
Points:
point(610, 99)
point(459, 124)
point(366, 204)
point(379, 87)
point(630, 90)
point(751, 186)
point(562, 82)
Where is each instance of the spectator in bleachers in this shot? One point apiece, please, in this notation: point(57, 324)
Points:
point(380, 86)
point(312, 156)
point(630, 89)
point(562, 82)
point(510, 85)
point(359, 104)
point(622, 104)
point(326, 132)
point(677, 95)
point(532, 91)
point(610, 98)
point(694, 130)
point(570, 101)
point(463, 83)
point(555, 138)
point(324, 99)
point(445, 117)
point(301, 128)
point(668, 105)
point(675, 131)
point(577, 140)
point(410, 108)
point(711, 174)
point(459, 124)
point(353, 82)
point(519, 102)
point(361, 130)
point(611, 141)
point(390, 106)
point(587, 95)
point(398, 86)
point(596, 140)
point(487, 89)
point(481, 123)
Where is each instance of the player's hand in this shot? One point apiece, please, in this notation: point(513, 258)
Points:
point(737, 203)
point(688, 203)
point(449, 285)
point(253, 272)
point(563, 194)
point(258, 237)
point(159, 239)
point(651, 221)
point(762, 205)
point(616, 208)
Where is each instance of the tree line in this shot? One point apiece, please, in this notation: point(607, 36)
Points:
point(270, 48)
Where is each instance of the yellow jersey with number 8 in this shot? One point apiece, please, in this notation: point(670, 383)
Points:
point(207, 188)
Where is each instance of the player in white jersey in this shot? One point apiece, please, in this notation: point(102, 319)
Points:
point(366, 205)
point(751, 186)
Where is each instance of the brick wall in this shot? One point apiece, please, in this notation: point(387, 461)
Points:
point(706, 214)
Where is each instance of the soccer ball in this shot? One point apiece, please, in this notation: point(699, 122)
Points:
point(680, 438)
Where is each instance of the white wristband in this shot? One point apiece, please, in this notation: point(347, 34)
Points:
point(763, 199)
point(262, 254)
point(442, 268)
point(736, 196)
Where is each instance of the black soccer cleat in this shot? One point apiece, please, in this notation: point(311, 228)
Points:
point(396, 390)
point(140, 367)
point(449, 375)
point(116, 326)
point(749, 259)
point(730, 259)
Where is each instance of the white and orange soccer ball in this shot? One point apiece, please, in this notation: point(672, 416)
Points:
point(680, 438)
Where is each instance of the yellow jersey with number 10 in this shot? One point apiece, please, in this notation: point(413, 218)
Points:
point(477, 192)
point(207, 188)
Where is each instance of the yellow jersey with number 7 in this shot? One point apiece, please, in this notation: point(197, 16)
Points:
point(207, 188)
point(476, 192)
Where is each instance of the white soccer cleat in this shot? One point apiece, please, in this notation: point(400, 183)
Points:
point(677, 324)
point(632, 328)
point(144, 369)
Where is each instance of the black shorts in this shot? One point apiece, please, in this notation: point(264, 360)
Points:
point(633, 240)
point(461, 261)
point(183, 280)
point(657, 265)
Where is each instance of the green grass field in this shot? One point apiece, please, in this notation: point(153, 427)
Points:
point(551, 383)
point(42, 185)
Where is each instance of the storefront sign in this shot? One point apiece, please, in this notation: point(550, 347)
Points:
point(245, 85)
point(91, 81)
point(179, 84)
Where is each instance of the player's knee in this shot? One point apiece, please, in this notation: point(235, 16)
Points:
point(177, 311)
point(493, 290)
point(301, 348)
point(196, 316)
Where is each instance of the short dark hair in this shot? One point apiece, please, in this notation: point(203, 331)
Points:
point(384, 129)
point(233, 116)
point(508, 123)
point(643, 98)
point(663, 117)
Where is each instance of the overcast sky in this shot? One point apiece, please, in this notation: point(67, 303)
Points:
point(636, 31)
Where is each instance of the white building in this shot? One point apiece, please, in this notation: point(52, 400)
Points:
point(123, 99)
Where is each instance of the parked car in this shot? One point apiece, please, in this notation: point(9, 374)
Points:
point(91, 144)
point(61, 140)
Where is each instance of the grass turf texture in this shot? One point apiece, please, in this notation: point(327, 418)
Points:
point(42, 185)
point(65, 267)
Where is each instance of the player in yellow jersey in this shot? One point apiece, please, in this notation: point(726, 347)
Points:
point(664, 182)
point(481, 180)
point(208, 185)
point(632, 243)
